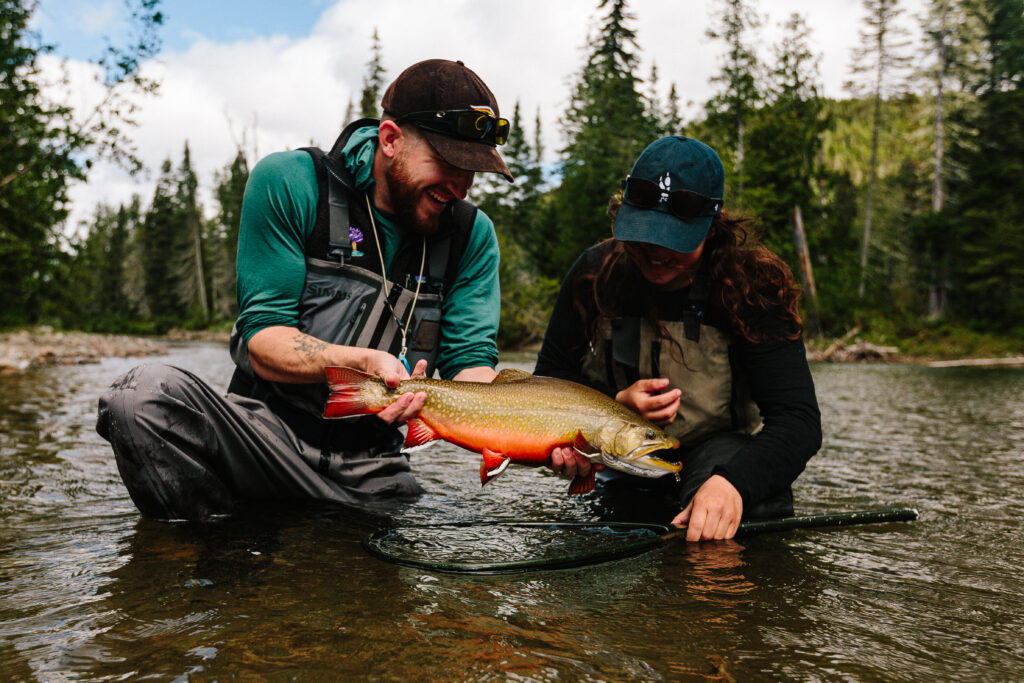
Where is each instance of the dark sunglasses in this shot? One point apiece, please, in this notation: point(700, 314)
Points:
point(647, 194)
point(468, 124)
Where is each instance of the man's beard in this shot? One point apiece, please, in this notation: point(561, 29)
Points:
point(404, 197)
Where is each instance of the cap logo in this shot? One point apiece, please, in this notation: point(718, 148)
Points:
point(665, 183)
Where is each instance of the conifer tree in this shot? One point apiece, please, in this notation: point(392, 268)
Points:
point(731, 108)
point(785, 137)
point(672, 123)
point(192, 262)
point(223, 234)
point(515, 210)
point(951, 51)
point(986, 202)
point(607, 127)
point(164, 247)
point(373, 81)
point(877, 68)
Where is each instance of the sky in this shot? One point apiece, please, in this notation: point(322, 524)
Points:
point(266, 75)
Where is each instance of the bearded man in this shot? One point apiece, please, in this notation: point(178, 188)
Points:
point(366, 256)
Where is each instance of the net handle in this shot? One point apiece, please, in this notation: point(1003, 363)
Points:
point(876, 516)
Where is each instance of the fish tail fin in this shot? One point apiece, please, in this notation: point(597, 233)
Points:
point(580, 485)
point(493, 464)
point(419, 434)
point(346, 396)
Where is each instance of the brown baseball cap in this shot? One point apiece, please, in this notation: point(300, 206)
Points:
point(440, 85)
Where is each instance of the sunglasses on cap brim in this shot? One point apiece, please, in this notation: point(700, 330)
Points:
point(468, 124)
point(683, 204)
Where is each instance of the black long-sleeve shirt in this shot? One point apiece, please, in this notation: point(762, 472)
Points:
point(777, 373)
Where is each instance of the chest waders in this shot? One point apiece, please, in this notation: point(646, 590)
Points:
point(347, 300)
point(715, 398)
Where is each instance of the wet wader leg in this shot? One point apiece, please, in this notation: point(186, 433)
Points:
point(185, 452)
point(700, 462)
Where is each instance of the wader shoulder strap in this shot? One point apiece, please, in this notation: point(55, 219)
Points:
point(463, 217)
point(339, 243)
point(334, 183)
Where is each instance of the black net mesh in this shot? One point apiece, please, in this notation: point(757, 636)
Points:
point(507, 547)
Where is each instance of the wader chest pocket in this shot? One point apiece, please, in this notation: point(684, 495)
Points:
point(426, 336)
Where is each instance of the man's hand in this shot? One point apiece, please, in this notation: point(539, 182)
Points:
point(714, 512)
point(570, 462)
point(643, 397)
point(408, 406)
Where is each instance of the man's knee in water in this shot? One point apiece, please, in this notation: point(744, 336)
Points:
point(126, 397)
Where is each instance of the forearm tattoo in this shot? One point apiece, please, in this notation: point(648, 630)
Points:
point(311, 347)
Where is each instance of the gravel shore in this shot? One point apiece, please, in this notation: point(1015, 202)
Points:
point(26, 349)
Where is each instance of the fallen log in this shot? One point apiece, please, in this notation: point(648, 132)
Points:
point(1011, 362)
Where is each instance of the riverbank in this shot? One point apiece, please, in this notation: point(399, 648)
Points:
point(25, 349)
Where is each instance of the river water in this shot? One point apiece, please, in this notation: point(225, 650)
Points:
point(91, 591)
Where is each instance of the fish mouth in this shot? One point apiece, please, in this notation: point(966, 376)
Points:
point(638, 462)
point(646, 448)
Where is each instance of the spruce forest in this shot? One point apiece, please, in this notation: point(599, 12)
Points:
point(899, 209)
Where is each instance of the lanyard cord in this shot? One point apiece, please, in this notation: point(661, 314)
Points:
point(384, 278)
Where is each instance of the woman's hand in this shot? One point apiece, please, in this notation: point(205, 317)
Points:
point(570, 462)
point(643, 398)
point(714, 513)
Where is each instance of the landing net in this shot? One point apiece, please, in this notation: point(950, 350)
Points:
point(508, 547)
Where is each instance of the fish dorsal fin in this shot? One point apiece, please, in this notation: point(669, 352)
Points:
point(419, 434)
point(583, 446)
point(511, 375)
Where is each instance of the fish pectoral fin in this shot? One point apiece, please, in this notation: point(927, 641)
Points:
point(493, 464)
point(419, 434)
point(583, 446)
point(580, 485)
point(511, 375)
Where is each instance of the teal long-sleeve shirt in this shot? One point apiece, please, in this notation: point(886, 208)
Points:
point(278, 216)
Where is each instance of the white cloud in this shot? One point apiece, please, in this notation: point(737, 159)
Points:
point(285, 92)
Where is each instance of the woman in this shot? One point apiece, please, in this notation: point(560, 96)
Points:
point(686, 320)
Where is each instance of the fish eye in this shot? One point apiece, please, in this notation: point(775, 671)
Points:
point(651, 434)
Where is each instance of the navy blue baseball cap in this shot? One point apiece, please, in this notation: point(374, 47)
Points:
point(672, 194)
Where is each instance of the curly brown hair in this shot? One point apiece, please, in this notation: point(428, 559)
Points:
point(743, 272)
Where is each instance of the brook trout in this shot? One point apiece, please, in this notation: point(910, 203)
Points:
point(516, 418)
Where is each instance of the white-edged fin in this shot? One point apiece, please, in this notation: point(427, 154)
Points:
point(492, 465)
point(419, 436)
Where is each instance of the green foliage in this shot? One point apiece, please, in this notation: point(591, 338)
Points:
point(148, 270)
point(728, 112)
point(45, 146)
point(221, 236)
point(518, 215)
point(987, 202)
point(784, 143)
point(607, 127)
point(35, 168)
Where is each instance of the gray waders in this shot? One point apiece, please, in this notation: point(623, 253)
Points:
point(185, 452)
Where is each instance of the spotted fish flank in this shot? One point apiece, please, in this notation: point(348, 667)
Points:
point(517, 418)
